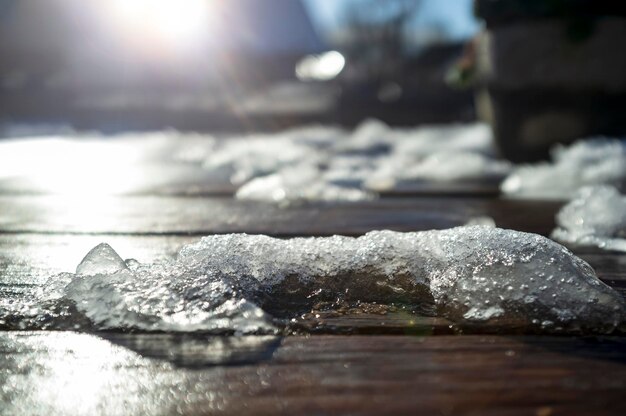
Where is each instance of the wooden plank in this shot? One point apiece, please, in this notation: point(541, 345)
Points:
point(68, 373)
point(454, 189)
point(157, 179)
point(201, 216)
point(395, 322)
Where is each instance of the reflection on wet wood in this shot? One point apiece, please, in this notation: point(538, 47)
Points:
point(201, 216)
point(391, 323)
point(158, 216)
point(197, 350)
point(67, 373)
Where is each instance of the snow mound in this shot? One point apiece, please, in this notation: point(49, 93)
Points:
point(347, 164)
point(589, 162)
point(249, 284)
point(296, 184)
point(595, 217)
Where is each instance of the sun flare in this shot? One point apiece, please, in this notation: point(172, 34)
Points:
point(169, 21)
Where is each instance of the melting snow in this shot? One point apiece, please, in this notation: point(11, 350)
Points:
point(590, 162)
point(300, 183)
point(241, 283)
point(323, 163)
point(595, 217)
point(442, 166)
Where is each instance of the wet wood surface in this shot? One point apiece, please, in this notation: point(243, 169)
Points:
point(155, 215)
point(359, 363)
point(69, 373)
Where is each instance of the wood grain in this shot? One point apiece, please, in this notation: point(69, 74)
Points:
point(67, 373)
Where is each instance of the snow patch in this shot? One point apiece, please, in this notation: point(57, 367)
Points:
point(595, 217)
point(589, 162)
point(249, 284)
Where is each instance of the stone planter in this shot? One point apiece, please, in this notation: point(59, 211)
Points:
point(551, 72)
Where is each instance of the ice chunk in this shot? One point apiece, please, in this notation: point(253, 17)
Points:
point(371, 137)
point(444, 166)
point(165, 297)
point(451, 166)
point(102, 260)
point(243, 283)
point(194, 148)
point(426, 140)
point(595, 217)
point(373, 153)
point(592, 162)
point(484, 221)
point(438, 153)
point(303, 183)
point(241, 160)
point(454, 166)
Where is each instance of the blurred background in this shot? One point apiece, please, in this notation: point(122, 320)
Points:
point(540, 72)
point(231, 64)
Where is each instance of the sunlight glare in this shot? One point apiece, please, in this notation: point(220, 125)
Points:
point(77, 167)
point(169, 21)
point(82, 374)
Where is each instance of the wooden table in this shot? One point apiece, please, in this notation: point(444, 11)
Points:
point(370, 364)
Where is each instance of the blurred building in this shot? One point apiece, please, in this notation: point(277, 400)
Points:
point(551, 72)
point(220, 64)
point(99, 60)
